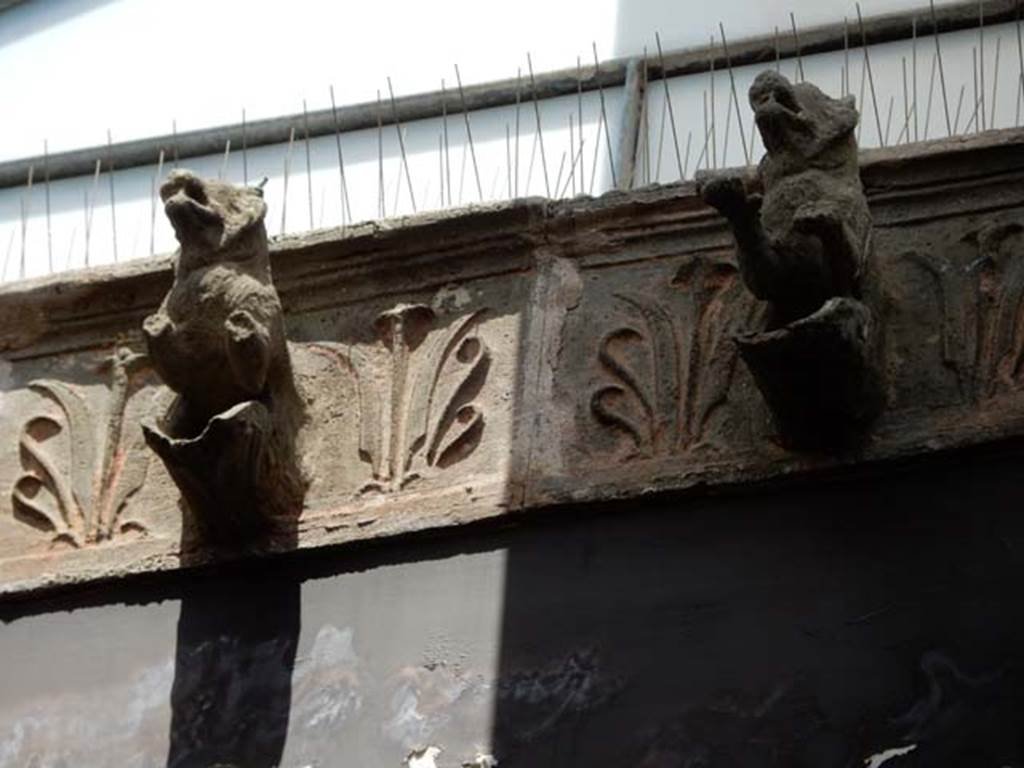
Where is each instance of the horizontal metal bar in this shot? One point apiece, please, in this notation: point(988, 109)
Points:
point(211, 141)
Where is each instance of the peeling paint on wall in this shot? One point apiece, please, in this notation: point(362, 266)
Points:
point(451, 298)
point(481, 761)
point(50, 730)
point(424, 697)
point(876, 761)
point(423, 758)
point(328, 682)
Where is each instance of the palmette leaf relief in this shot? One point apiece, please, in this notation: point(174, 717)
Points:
point(668, 367)
point(66, 489)
point(976, 284)
point(418, 389)
point(429, 418)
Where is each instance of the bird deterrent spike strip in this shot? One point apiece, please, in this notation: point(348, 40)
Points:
point(970, 103)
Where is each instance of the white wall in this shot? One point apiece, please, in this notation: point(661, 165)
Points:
point(825, 71)
point(71, 69)
point(136, 202)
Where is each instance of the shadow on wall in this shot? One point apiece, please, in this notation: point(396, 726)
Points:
point(231, 697)
point(818, 627)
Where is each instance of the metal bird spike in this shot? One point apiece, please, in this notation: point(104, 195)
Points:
point(245, 152)
point(46, 186)
point(533, 157)
point(707, 137)
point(981, 57)
point(913, 68)
point(25, 203)
point(447, 157)
point(287, 171)
point(846, 56)
point(735, 98)
point(668, 103)
point(871, 79)
point(71, 247)
point(711, 73)
point(223, 174)
point(995, 84)
point(401, 145)
point(572, 154)
point(579, 116)
point(7, 257)
point(959, 104)
point(381, 213)
point(519, 95)
point(309, 164)
point(906, 94)
point(974, 115)
point(440, 167)
point(113, 202)
point(942, 74)
point(906, 129)
point(469, 132)
point(174, 141)
point(152, 202)
point(1020, 67)
point(753, 133)
point(686, 161)
point(973, 121)
point(346, 210)
point(597, 151)
point(604, 117)
point(661, 140)
point(398, 178)
point(540, 132)
point(888, 120)
point(508, 156)
point(558, 176)
point(86, 213)
point(796, 42)
point(90, 205)
point(578, 159)
point(462, 171)
point(931, 92)
point(725, 134)
point(645, 123)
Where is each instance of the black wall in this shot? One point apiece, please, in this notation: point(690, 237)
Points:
point(815, 625)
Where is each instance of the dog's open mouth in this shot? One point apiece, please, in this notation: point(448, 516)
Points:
point(779, 115)
point(181, 208)
point(776, 105)
point(186, 203)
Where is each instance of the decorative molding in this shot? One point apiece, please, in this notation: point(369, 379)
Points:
point(672, 365)
point(474, 365)
point(418, 412)
point(978, 281)
point(77, 492)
